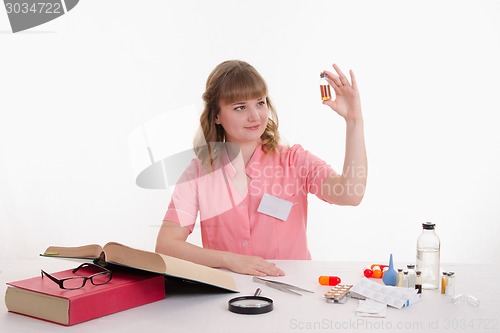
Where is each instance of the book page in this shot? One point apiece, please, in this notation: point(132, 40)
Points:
point(37, 305)
point(124, 255)
point(160, 263)
point(83, 252)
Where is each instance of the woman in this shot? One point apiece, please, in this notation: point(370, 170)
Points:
point(250, 191)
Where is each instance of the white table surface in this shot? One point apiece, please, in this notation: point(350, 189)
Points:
point(207, 312)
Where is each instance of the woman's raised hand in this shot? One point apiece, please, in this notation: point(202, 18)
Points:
point(347, 102)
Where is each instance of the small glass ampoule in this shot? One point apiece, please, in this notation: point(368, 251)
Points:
point(324, 87)
point(450, 285)
point(444, 282)
point(399, 278)
point(471, 300)
point(418, 282)
point(411, 276)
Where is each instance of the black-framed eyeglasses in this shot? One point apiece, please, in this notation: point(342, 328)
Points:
point(76, 282)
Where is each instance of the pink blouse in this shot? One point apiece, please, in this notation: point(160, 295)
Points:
point(228, 213)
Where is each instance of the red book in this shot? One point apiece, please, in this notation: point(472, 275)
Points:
point(41, 298)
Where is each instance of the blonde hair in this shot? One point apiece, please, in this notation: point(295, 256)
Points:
point(231, 81)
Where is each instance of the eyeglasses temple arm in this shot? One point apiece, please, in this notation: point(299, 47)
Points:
point(59, 282)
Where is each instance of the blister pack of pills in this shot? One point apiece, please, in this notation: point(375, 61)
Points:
point(338, 294)
point(394, 296)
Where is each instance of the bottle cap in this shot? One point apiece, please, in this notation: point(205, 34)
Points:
point(322, 75)
point(410, 266)
point(428, 225)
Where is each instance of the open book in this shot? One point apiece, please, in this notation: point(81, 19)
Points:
point(116, 253)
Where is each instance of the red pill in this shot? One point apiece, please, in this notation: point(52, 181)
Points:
point(368, 273)
point(329, 280)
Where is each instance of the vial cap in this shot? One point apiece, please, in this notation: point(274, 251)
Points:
point(428, 225)
point(322, 75)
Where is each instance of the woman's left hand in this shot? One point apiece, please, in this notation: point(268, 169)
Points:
point(347, 102)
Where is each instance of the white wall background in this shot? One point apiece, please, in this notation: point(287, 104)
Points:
point(72, 91)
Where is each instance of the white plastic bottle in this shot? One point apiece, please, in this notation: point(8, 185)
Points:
point(428, 249)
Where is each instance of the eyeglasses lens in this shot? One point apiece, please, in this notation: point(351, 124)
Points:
point(100, 278)
point(74, 283)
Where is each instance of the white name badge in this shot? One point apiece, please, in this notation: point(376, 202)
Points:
point(275, 207)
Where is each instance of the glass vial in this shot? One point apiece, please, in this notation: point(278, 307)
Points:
point(399, 278)
point(444, 282)
point(324, 86)
point(405, 279)
point(418, 282)
point(411, 276)
point(428, 249)
point(450, 285)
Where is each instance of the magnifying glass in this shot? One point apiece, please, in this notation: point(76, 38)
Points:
point(251, 304)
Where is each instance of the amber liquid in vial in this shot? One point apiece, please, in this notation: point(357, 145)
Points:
point(325, 92)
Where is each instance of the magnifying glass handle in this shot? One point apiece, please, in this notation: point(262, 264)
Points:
point(257, 292)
